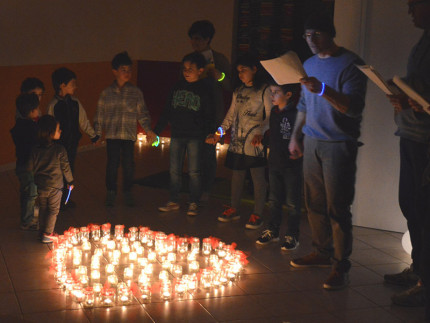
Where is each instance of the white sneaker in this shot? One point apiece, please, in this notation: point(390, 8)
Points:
point(170, 206)
point(193, 209)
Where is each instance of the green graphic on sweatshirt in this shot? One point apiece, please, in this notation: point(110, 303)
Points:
point(186, 99)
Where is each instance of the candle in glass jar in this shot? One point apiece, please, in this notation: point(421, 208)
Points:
point(128, 273)
point(132, 256)
point(95, 275)
point(207, 246)
point(110, 268)
point(193, 266)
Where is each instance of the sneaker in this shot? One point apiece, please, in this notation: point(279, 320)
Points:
point(110, 198)
point(405, 278)
point(192, 209)
point(254, 222)
point(170, 206)
point(311, 260)
point(337, 280)
point(229, 214)
point(266, 237)
point(129, 199)
point(291, 243)
point(29, 227)
point(413, 297)
point(48, 238)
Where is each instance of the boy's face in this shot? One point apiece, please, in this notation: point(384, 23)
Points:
point(57, 133)
point(191, 72)
point(199, 43)
point(279, 98)
point(123, 74)
point(38, 91)
point(69, 88)
point(34, 114)
point(246, 74)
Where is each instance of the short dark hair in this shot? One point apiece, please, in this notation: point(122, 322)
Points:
point(203, 28)
point(60, 76)
point(121, 59)
point(321, 21)
point(31, 83)
point(47, 127)
point(26, 102)
point(195, 58)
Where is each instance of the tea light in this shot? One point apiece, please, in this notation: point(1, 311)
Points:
point(177, 270)
point(77, 293)
point(142, 234)
point(84, 233)
point(206, 279)
point(88, 297)
point(142, 262)
point(180, 288)
point(108, 295)
point(220, 249)
point(97, 288)
point(145, 292)
point(165, 264)
point(109, 268)
point(193, 266)
point(84, 280)
point(133, 234)
point(195, 245)
point(171, 257)
point(191, 256)
point(139, 251)
point(163, 275)
point(148, 269)
point(151, 256)
point(95, 275)
point(132, 256)
point(86, 245)
point(149, 239)
point(207, 246)
point(119, 231)
point(113, 280)
point(128, 273)
point(182, 245)
point(82, 270)
point(106, 229)
point(115, 257)
point(98, 252)
point(110, 245)
point(166, 289)
point(95, 232)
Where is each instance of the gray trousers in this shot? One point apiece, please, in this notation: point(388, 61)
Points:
point(49, 206)
point(329, 174)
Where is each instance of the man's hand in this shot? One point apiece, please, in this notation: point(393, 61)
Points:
point(312, 84)
point(151, 136)
point(256, 141)
point(296, 148)
point(399, 102)
point(415, 106)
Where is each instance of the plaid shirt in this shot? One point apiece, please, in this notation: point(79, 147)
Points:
point(119, 110)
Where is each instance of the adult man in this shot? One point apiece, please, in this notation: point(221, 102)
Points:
point(330, 113)
point(414, 131)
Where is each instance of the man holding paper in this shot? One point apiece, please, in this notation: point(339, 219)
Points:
point(330, 113)
point(414, 132)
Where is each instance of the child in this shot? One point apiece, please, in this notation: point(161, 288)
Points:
point(285, 174)
point(191, 113)
point(248, 118)
point(24, 135)
point(32, 85)
point(119, 108)
point(71, 115)
point(48, 163)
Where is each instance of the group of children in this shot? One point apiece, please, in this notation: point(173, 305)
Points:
point(48, 162)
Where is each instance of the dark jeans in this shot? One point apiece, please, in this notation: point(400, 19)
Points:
point(27, 195)
point(285, 186)
point(329, 174)
point(72, 151)
point(412, 196)
point(178, 148)
point(119, 151)
point(208, 167)
point(49, 199)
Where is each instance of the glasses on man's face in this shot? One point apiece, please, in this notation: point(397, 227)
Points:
point(315, 35)
point(413, 4)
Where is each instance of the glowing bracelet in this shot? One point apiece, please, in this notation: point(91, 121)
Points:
point(322, 90)
point(68, 196)
point(220, 132)
point(222, 77)
point(156, 143)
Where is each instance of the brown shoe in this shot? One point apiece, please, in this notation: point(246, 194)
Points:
point(413, 297)
point(405, 278)
point(311, 260)
point(337, 280)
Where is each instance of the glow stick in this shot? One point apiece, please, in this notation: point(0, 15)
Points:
point(220, 132)
point(68, 196)
point(156, 143)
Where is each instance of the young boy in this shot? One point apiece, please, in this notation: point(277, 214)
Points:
point(191, 114)
point(48, 163)
point(285, 174)
point(119, 108)
point(32, 85)
point(24, 135)
point(71, 115)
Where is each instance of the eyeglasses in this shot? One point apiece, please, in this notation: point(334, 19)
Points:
point(412, 5)
point(316, 34)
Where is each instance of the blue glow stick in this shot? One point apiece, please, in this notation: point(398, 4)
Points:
point(156, 143)
point(220, 131)
point(68, 196)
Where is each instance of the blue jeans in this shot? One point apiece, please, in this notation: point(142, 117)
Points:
point(329, 174)
point(178, 148)
point(285, 186)
point(27, 195)
point(119, 151)
point(208, 167)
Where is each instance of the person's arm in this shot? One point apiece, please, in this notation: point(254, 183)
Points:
point(85, 124)
point(165, 115)
point(296, 142)
point(264, 126)
point(64, 164)
point(99, 116)
point(227, 122)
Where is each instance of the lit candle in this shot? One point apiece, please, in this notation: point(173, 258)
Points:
point(132, 257)
point(207, 246)
point(86, 245)
point(128, 273)
point(151, 256)
point(95, 275)
point(193, 266)
point(113, 279)
point(110, 268)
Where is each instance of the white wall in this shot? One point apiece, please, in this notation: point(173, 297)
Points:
point(383, 34)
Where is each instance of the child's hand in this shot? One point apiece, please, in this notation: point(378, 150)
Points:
point(212, 139)
point(296, 148)
point(95, 139)
point(256, 141)
point(151, 136)
point(70, 187)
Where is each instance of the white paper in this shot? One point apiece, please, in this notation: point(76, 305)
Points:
point(286, 69)
point(376, 78)
point(411, 93)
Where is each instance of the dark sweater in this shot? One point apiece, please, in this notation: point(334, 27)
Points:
point(189, 110)
point(24, 135)
point(66, 112)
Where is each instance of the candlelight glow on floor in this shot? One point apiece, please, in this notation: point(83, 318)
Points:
point(96, 268)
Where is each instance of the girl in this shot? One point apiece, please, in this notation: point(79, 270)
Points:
point(248, 118)
point(49, 163)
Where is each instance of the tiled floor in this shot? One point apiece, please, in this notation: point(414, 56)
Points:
point(269, 290)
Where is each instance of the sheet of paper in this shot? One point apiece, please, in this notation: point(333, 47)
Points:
point(286, 69)
point(376, 78)
point(410, 92)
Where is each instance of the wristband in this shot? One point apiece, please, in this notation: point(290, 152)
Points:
point(222, 77)
point(156, 143)
point(322, 90)
point(220, 132)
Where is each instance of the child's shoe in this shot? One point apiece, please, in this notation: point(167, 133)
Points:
point(49, 238)
point(266, 237)
point(110, 198)
point(193, 209)
point(170, 206)
point(229, 214)
point(254, 222)
point(291, 243)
